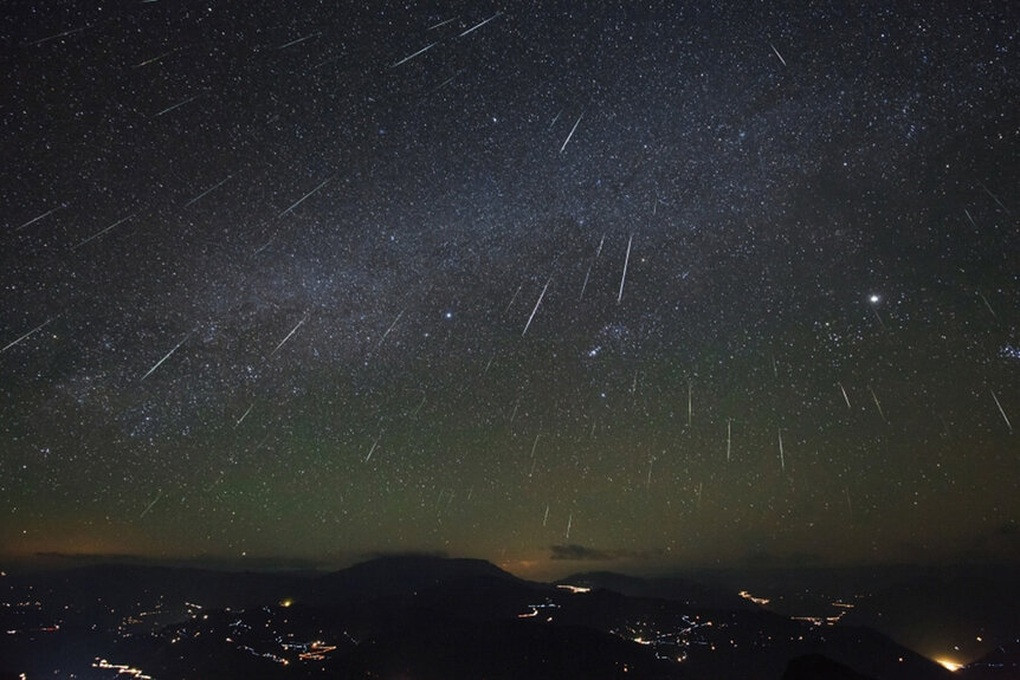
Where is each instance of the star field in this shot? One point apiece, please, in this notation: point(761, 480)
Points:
point(669, 284)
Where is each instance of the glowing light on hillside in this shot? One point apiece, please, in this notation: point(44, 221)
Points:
point(761, 601)
point(949, 664)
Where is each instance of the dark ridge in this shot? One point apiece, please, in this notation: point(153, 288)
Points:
point(423, 617)
point(671, 588)
point(818, 667)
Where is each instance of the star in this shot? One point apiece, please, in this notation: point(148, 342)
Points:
point(648, 231)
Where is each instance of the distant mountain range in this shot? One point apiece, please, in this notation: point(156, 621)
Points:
point(418, 617)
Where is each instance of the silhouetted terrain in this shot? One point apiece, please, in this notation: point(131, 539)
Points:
point(963, 611)
point(422, 617)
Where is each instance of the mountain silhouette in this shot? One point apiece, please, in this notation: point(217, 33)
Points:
point(418, 617)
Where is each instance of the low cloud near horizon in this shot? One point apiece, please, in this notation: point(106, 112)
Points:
point(575, 552)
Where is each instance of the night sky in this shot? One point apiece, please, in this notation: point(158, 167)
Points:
point(556, 285)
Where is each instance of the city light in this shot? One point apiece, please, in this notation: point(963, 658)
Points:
point(949, 664)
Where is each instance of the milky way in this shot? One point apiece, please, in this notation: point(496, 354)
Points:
point(667, 285)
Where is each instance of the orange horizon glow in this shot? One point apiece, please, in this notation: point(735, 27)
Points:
point(948, 664)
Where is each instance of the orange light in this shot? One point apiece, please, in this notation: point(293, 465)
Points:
point(949, 664)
